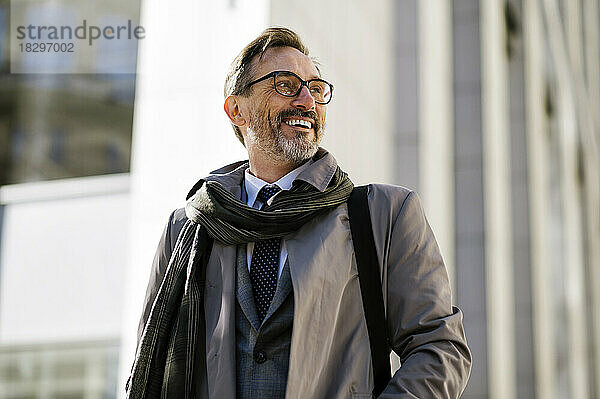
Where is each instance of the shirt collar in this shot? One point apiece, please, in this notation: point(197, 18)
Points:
point(253, 184)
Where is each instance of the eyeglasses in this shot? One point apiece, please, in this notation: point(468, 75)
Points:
point(289, 84)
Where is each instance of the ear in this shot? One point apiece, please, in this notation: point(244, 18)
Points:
point(233, 109)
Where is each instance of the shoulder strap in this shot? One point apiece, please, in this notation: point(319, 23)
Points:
point(370, 285)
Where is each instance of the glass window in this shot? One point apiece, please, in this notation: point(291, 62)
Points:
point(77, 370)
point(56, 126)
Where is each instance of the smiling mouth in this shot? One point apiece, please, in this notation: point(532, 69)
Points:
point(299, 123)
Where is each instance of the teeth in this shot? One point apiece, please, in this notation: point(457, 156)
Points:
point(301, 122)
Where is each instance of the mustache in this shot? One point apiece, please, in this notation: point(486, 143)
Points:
point(297, 112)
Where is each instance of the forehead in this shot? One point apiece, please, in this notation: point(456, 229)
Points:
point(285, 59)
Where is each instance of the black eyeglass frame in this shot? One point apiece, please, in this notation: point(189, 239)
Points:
point(302, 83)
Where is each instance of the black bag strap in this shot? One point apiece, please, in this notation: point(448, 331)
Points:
point(370, 286)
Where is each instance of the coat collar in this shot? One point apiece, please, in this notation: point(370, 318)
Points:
point(320, 172)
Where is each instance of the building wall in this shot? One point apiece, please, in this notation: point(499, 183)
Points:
point(61, 280)
point(355, 54)
point(62, 250)
point(469, 233)
point(521, 243)
point(524, 263)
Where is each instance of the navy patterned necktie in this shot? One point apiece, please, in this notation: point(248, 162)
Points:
point(264, 265)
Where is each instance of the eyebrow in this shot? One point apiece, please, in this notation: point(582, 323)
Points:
point(318, 76)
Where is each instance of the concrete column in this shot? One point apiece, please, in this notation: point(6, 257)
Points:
point(591, 23)
point(497, 207)
point(591, 36)
point(539, 193)
point(566, 61)
point(469, 206)
point(574, 256)
point(436, 123)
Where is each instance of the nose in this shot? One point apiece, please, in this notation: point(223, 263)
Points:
point(304, 100)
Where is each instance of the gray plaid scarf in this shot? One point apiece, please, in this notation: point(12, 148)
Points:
point(169, 351)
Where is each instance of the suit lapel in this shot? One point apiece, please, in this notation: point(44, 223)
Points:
point(284, 287)
point(244, 293)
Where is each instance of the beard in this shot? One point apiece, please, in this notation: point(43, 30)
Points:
point(266, 133)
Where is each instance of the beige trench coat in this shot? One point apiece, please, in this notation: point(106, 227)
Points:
point(330, 352)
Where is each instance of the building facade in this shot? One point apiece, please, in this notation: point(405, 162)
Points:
point(489, 109)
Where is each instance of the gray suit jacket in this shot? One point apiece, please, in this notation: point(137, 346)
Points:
point(330, 354)
point(263, 349)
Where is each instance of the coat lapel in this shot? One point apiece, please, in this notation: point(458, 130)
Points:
point(219, 305)
point(219, 302)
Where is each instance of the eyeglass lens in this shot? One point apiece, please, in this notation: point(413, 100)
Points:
point(289, 85)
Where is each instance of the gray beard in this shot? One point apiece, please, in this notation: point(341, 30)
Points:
point(267, 135)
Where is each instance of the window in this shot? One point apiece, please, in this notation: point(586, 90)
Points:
point(77, 371)
point(56, 126)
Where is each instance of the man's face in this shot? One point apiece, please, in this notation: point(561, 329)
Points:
point(272, 125)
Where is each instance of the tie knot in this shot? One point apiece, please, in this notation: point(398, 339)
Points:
point(267, 192)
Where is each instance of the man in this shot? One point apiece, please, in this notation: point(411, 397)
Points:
point(254, 290)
